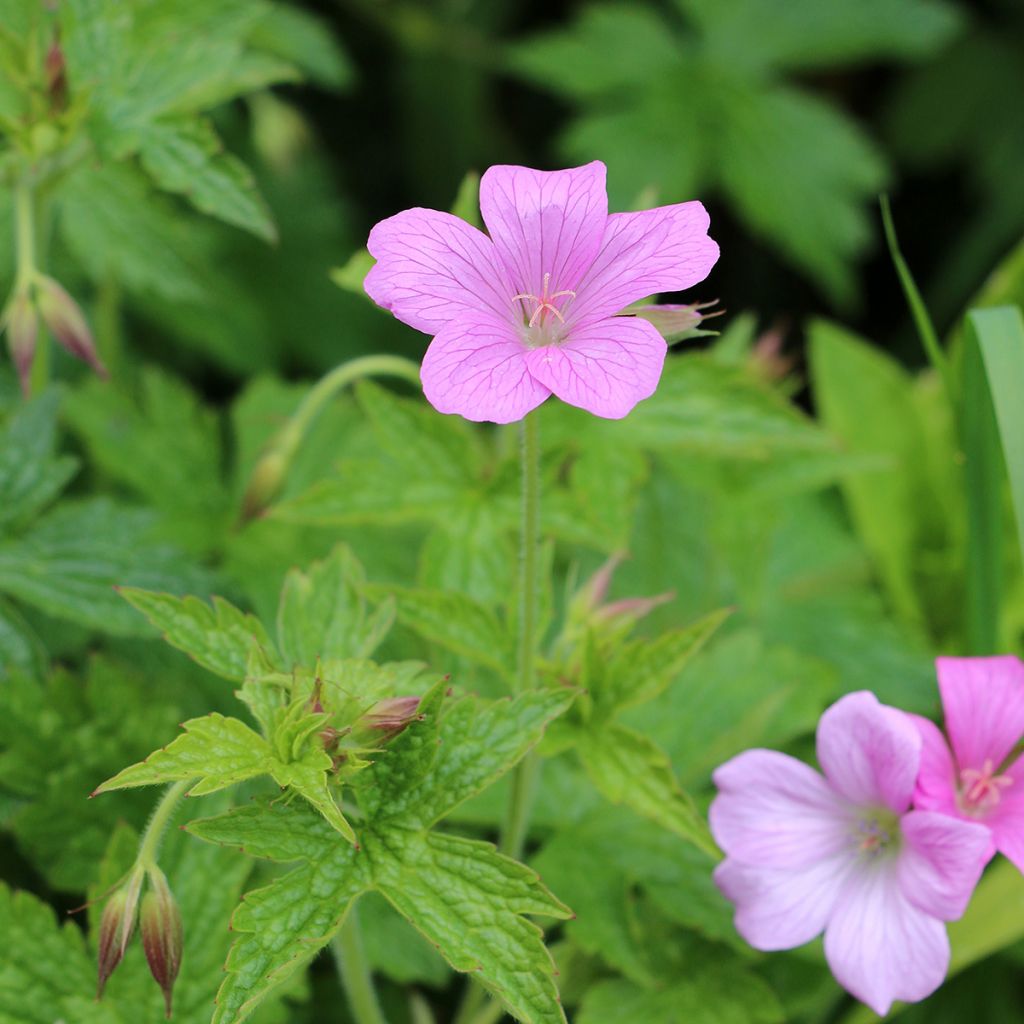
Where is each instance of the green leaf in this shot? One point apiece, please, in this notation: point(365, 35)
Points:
point(68, 564)
point(629, 768)
point(323, 613)
point(20, 646)
point(302, 39)
point(850, 376)
point(30, 476)
point(395, 949)
point(220, 638)
point(435, 764)
point(187, 157)
point(351, 274)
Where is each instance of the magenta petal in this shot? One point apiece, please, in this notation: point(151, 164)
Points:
point(779, 908)
point(936, 787)
point(983, 699)
point(777, 812)
point(432, 268)
point(941, 861)
point(605, 368)
point(477, 368)
point(880, 946)
point(1006, 819)
point(869, 752)
point(661, 250)
point(545, 222)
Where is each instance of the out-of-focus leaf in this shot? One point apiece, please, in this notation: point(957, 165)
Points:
point(304, 40)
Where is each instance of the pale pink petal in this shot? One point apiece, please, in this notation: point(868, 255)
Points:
point(936, 787)
point(869, 752)
point(661, 250)
point(984, 703)
point(545, 222)
point(775, 811)
point(940, 862)
point(476, 367)
point(432, 268)
point(605, 368)
point(779, 908)
point(879, 945)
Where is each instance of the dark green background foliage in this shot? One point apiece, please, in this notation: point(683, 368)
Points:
point(204, 175)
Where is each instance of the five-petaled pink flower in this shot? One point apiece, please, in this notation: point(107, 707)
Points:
point(983, 699)
point(532, 309)
point(846, 855)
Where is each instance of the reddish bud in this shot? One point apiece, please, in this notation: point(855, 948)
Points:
point(391, 716)
point(673, 320)
point(21, 322)
point(56, 76)
point(66, 322)
point(162, 934)
point(768, 357)
point(116, 927)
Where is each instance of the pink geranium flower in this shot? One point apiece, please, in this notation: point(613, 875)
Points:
point(845, 855)
point(979, 779)
point(531, 309)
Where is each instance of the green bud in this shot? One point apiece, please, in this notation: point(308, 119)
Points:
point(66, 322)
point(116, 927)
point(21, 323)
point(265, 483)
point(162, 934)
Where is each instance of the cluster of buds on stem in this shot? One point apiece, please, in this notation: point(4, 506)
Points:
point(42, 297)
point(159, 922)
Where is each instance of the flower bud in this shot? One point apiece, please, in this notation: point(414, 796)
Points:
point(162, 933)
point(66, 322)
point(676, 321)
point(56, 77)
point(21, 322)
point(264, 484)
point(116, 927)
point(389, 717)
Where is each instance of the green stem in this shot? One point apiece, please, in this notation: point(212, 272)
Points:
point(25, 234)
point(513, 835)
point(151, 838)
point(268, 476)
point(354, 971)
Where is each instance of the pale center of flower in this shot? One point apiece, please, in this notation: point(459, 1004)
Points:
point(981, 789)
point(543, 315)
point(876, 833)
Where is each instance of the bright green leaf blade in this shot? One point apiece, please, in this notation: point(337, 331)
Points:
point(470, 900)
point(302, 39)
point(187, 157)
point(628, 768)
point(219, 638)
point(999, 334)
point(216, 750)
point(849, 377)
point(310, 781)
point(323, 613)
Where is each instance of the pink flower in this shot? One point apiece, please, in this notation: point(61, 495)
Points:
point(983, 699)
point(845, 855)
point(531, 309)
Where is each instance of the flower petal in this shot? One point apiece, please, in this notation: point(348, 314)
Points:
point(778, 908)
point(1006, 819)
point(545, 222)
point(983, 699)
point(941, 861)
point(661, 250)
point(869, 752)
point(605, 368)
point(936, 778)
point(477, 368)
point(775, 811)
point(879, 945)
point(432, 268)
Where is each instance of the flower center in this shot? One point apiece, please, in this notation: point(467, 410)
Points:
point(981, 789)
point(876, 833)
point(541, 311)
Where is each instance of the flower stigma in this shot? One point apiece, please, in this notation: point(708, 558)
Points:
point(540, 327)
point(981, 789)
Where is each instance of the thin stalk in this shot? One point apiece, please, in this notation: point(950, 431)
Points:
point(268, 476)
point(25, 234)
point(354, 972)
point(154, 834)
point(919, 311)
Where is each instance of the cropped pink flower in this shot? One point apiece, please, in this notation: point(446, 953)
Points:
point(983, 700)
point(530, 310)
point(845, 855)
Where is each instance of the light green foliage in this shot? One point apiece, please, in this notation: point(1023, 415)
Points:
point(701, 102)
point(461, 894)
point(59, 739)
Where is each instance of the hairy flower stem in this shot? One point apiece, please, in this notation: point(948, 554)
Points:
point(154, 834)
point(513, 834)
point(271, 469)
point(25, 242)
point(354, 972)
